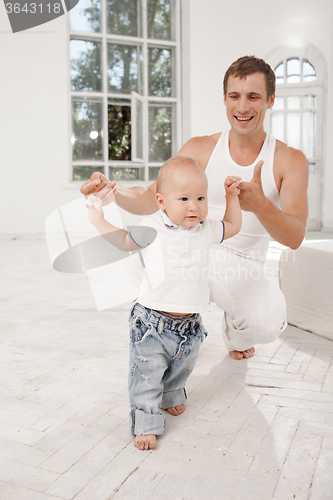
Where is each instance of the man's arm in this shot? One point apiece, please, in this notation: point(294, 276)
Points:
point(288, 225)
point(141, 200)
point(137, 200)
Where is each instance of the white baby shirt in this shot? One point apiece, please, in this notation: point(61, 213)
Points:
point(177, 264)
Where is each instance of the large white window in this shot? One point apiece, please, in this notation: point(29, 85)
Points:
point(125, 87)
point(297, 115)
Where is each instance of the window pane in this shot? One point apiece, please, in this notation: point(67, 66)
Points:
point(278, 104)
point(293, 102)
point(277, 127)
point(279, 71)
point(87, 130)
point(293, 130)
point(124, 17)
point(159, 72)
point(86, 16)
point(86, 65)
point(312, 168)
point(309, 102)
point(159, 19)
point(309, 134)
point(159, 133)
point(84, 173)
point(309, 73)
point(153, 171)
point(293, 71)
point(122, 68)
point(119, 124)
point(126, 173)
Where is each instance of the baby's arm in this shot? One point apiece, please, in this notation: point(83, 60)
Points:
point(233, 215)
point(118, 237)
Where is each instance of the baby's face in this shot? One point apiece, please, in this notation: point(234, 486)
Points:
point(185, 199)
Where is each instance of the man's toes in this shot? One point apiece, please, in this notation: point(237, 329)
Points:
point(236, 354)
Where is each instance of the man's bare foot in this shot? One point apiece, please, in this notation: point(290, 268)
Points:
point(242, 354)
point(177, 410)
point(145, 442)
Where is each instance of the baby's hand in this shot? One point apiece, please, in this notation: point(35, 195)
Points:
point(231, 185)
point(95, 210)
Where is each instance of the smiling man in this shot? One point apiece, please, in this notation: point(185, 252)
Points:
point(273, 201)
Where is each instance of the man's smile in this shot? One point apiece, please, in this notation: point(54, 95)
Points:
point(243, 118)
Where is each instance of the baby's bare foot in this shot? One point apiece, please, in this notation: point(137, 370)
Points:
point(177, 410)
point(145, 442)
point(242, 354)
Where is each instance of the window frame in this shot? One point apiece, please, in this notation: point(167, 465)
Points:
point(175, 100)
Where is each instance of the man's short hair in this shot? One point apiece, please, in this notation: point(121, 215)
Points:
point(247, 65)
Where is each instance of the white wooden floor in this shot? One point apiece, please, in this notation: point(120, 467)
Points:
point(255, 429)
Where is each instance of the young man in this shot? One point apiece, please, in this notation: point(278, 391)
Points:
point(273, 200)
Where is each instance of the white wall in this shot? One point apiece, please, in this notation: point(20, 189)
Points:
point(34, 113)
point(33, 124)
point(222, 31)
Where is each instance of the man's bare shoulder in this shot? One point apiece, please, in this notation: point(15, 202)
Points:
point(289, 161)
point(286, 156)
point(200, 148)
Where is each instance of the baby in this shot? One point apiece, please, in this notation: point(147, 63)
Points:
point(166, 330)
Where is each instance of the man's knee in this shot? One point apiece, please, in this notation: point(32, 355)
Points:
point(267, 323)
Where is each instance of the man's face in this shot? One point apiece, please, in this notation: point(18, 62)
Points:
point(246, 103)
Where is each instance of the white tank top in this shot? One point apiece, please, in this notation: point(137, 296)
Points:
point(252, 240)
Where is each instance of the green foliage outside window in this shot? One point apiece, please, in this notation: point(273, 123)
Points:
point(119, 121)
point(86, 65)
point(159, 19)
point(123, 17)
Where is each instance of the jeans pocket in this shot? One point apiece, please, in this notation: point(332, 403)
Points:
point(201, 331)
point(139, 331)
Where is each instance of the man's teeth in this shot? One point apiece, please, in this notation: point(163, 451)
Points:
point(244, 119)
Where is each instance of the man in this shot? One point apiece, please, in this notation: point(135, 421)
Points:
point(273, 200)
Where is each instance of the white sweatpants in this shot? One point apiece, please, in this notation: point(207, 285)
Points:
point(253, 304)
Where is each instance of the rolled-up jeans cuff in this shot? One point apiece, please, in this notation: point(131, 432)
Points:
point(173, 398)
point(146, 423)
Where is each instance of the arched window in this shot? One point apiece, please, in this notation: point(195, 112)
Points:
point(297, 115)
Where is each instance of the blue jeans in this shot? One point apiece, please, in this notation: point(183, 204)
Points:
point(163, 353)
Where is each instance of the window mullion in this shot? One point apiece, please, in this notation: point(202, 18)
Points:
point(145, 88)
point(178, 77)
point(105, 89)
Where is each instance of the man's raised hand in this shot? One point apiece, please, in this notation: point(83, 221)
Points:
point(252, 197)
point(102, 186)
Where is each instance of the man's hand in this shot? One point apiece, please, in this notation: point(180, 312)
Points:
point(252, 197)
point(102, 186)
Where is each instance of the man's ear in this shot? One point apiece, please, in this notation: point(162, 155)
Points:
point(271, 101)
point(224, 98)
point(160, 201)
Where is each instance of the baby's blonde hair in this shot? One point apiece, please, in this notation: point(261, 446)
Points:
point(174, 165)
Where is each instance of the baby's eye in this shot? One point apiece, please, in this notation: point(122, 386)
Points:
point(201, 198)
point(184, 198)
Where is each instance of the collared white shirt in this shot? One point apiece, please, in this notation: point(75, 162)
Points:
point(177, 263)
